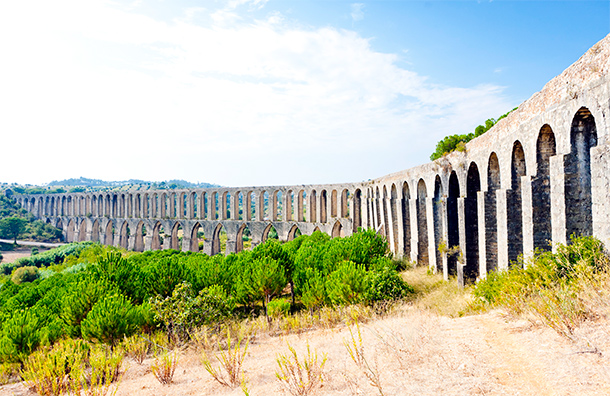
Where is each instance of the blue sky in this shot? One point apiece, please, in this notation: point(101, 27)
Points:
point(257, 92)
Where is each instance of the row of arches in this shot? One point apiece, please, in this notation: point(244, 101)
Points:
point(211, 237)
point(495, 226)
point(309, 205)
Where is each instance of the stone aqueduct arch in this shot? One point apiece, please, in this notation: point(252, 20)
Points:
point(537, 177)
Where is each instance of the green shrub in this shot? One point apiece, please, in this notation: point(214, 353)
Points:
point(278, 308)
point(181, 312)
point(20, 335)
point(347, 284)
point(385, 284)
point(34, 251)
point(25, 274)
point(110, 319)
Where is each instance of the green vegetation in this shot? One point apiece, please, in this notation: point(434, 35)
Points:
point(559, 289)
point(457, 142)
point(101, 295)
point(16, 222)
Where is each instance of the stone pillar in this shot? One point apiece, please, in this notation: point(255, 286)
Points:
point(207, 247)
point(502, 233)
point(288, 216)
point(445, 236)
point(148, 241)
point(558, 198)
point(390, 226)
point(167, 242)
point(131, 242)
point(527, 211)
point(432, 242)
point(186, 243)
point(401, 232)
point(414, 231)
point(231, 245)
point(600, 185)
point(190, 206)
point(235, 205)
point(260, 206)
point(462, 232)
point(481, 204)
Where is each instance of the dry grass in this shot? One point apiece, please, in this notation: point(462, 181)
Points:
point(300, 377)
point(432, 293)
point(164, 367)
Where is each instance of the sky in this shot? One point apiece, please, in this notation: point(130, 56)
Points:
point(266, 92)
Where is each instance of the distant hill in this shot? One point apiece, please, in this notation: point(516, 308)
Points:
point(83, 184)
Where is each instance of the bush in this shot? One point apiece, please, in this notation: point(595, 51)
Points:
point(550, 287)
point(25, 274)
point(385, 284)
point(20, 336)
point(278, 308)
point(347, 284)
point(110, 319)
point(183, 311)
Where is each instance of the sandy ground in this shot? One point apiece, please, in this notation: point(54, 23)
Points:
point(416, 353)
point(12, 255)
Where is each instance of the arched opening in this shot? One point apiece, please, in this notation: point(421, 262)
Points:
point(278, 206)
point(197, 238)
point(491, 214)
point(158, 237)
point(579, 212)
point(241, 207)
point(219, 240)
point(406, 219)
point(514, 207)
point(244, 239)
point(109, 234)
point(204, 206)
point(471, 218)
point(302, 206)
point(323, 207)
point(384, 211)
point(337, 230)
point(345, 196)
point(333, 204)
point(378, 218)
point(269, 233)
point(357, 209)
point(422, 224)
point(453, 228)
point(139, 237)
point(541, 189)
point(177, 236)
point(294, 232)
point(437, 216)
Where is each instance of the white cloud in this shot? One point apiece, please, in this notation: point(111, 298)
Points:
point(357, 11)
point(108, 93)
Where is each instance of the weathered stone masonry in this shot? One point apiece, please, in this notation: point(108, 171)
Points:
point(537, 177)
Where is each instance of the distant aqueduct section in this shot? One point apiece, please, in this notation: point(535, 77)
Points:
point(537, 177)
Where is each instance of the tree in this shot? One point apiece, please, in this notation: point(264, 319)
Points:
point(12, 227)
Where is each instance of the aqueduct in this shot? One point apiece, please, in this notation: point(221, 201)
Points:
point(537, 177)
